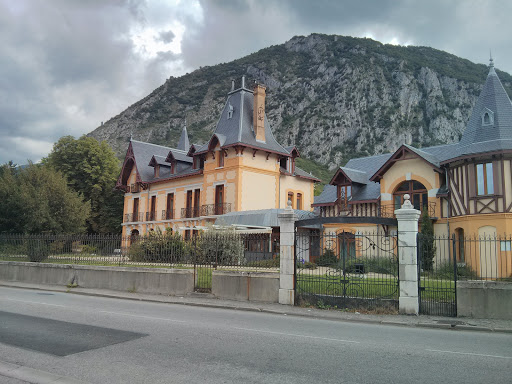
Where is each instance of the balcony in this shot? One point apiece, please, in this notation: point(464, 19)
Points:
point(135, 188)
point(133, 217)
point(380, 210)
point(151, 216)
point(167, 214)
point(187, 213)
point(215, 209)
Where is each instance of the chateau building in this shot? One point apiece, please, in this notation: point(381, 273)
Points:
point(242, 168)
point(466, 187)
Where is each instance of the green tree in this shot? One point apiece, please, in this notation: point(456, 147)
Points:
point(37, 199)
point(428, 245)
point(91, 169)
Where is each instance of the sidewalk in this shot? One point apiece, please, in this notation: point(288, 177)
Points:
point(208, 300)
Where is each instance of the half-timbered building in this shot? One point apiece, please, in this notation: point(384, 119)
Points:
point(466, 187)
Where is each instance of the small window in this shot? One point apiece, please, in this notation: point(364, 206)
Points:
point(299, 201)
point(221, 159)
point(230, 111)
point(485, 180)
point(487, 117)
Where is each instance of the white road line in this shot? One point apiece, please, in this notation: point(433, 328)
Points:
point(36, 302)
point(295, 335)
point(144, 317)
point(469, 353)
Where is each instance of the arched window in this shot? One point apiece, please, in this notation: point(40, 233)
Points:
point(417, 191)
point(134, 236)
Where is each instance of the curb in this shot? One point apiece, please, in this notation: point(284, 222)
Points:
point(34, 376)
point(326, 316)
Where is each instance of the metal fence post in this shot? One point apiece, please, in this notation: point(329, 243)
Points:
point(286, 255)
point(408, 218)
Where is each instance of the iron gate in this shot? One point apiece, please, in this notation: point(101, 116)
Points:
point(437, 275)
point(346, 270)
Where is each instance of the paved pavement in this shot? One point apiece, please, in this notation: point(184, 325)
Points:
point(56, 337)
point(207, 300)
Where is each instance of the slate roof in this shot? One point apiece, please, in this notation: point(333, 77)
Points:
point(184, 143)
point(480, 138)
point(356, 176)
point(238, 129)
point(143, 152)
point(328, 195)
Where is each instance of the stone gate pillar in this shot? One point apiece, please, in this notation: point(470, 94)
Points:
point(408, 218)
point(286, 254)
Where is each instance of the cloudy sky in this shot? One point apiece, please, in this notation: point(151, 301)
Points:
point(68, 65)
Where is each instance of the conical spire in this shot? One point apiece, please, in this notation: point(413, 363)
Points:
point(490, 125)
point(184, 143)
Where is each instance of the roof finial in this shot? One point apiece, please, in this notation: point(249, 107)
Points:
point(131, 136)
point(491, 61)
point(232, 84)
point(243, 81)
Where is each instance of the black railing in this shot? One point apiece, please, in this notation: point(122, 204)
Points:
point(215, 209)
point(151, 216)
point(167, 214)
point(133, 217)
point(205, 252)
point(190, 212)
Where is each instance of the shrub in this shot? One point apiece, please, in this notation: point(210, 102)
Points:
point(222, 247)
point(384, 265)
point(158, 248)
point(328, 258)
point(428, 245)
point(37, 250)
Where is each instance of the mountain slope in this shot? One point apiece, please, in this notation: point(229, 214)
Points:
point(333, 97)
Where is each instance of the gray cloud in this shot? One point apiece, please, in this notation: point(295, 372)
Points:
point(68, 65)
point(167, 36)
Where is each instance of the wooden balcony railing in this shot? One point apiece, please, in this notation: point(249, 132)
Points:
point(379, 210)
point(167, 214)
point(133, 217)
point(215, 209)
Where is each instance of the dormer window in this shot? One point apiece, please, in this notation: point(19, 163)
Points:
point(230, 111)
point(157, 171)
point(487, 117)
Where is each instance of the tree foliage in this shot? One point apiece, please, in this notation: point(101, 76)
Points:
point(91, 169)
point(36, 199)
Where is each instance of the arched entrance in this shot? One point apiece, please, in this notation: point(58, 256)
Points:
point(134, 236)
point(416, 190)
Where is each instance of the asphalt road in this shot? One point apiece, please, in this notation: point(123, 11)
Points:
point(103, 340)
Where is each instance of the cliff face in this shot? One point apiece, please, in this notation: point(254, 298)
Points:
point(333, 97)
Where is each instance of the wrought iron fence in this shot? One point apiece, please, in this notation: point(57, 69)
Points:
point(347, 270)
point(444, 260)
point(151, 216)
point(204, 253)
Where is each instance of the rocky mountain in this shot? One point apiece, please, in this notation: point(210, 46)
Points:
point(334, 97)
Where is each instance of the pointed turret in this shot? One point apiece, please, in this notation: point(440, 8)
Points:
point(490, 126)
point(184, 143)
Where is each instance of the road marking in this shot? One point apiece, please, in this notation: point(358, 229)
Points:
point(468, 353)
point(144, 317)
point(296, 335)
point(36, 302)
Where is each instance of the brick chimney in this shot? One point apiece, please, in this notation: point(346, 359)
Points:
point(259, 112)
